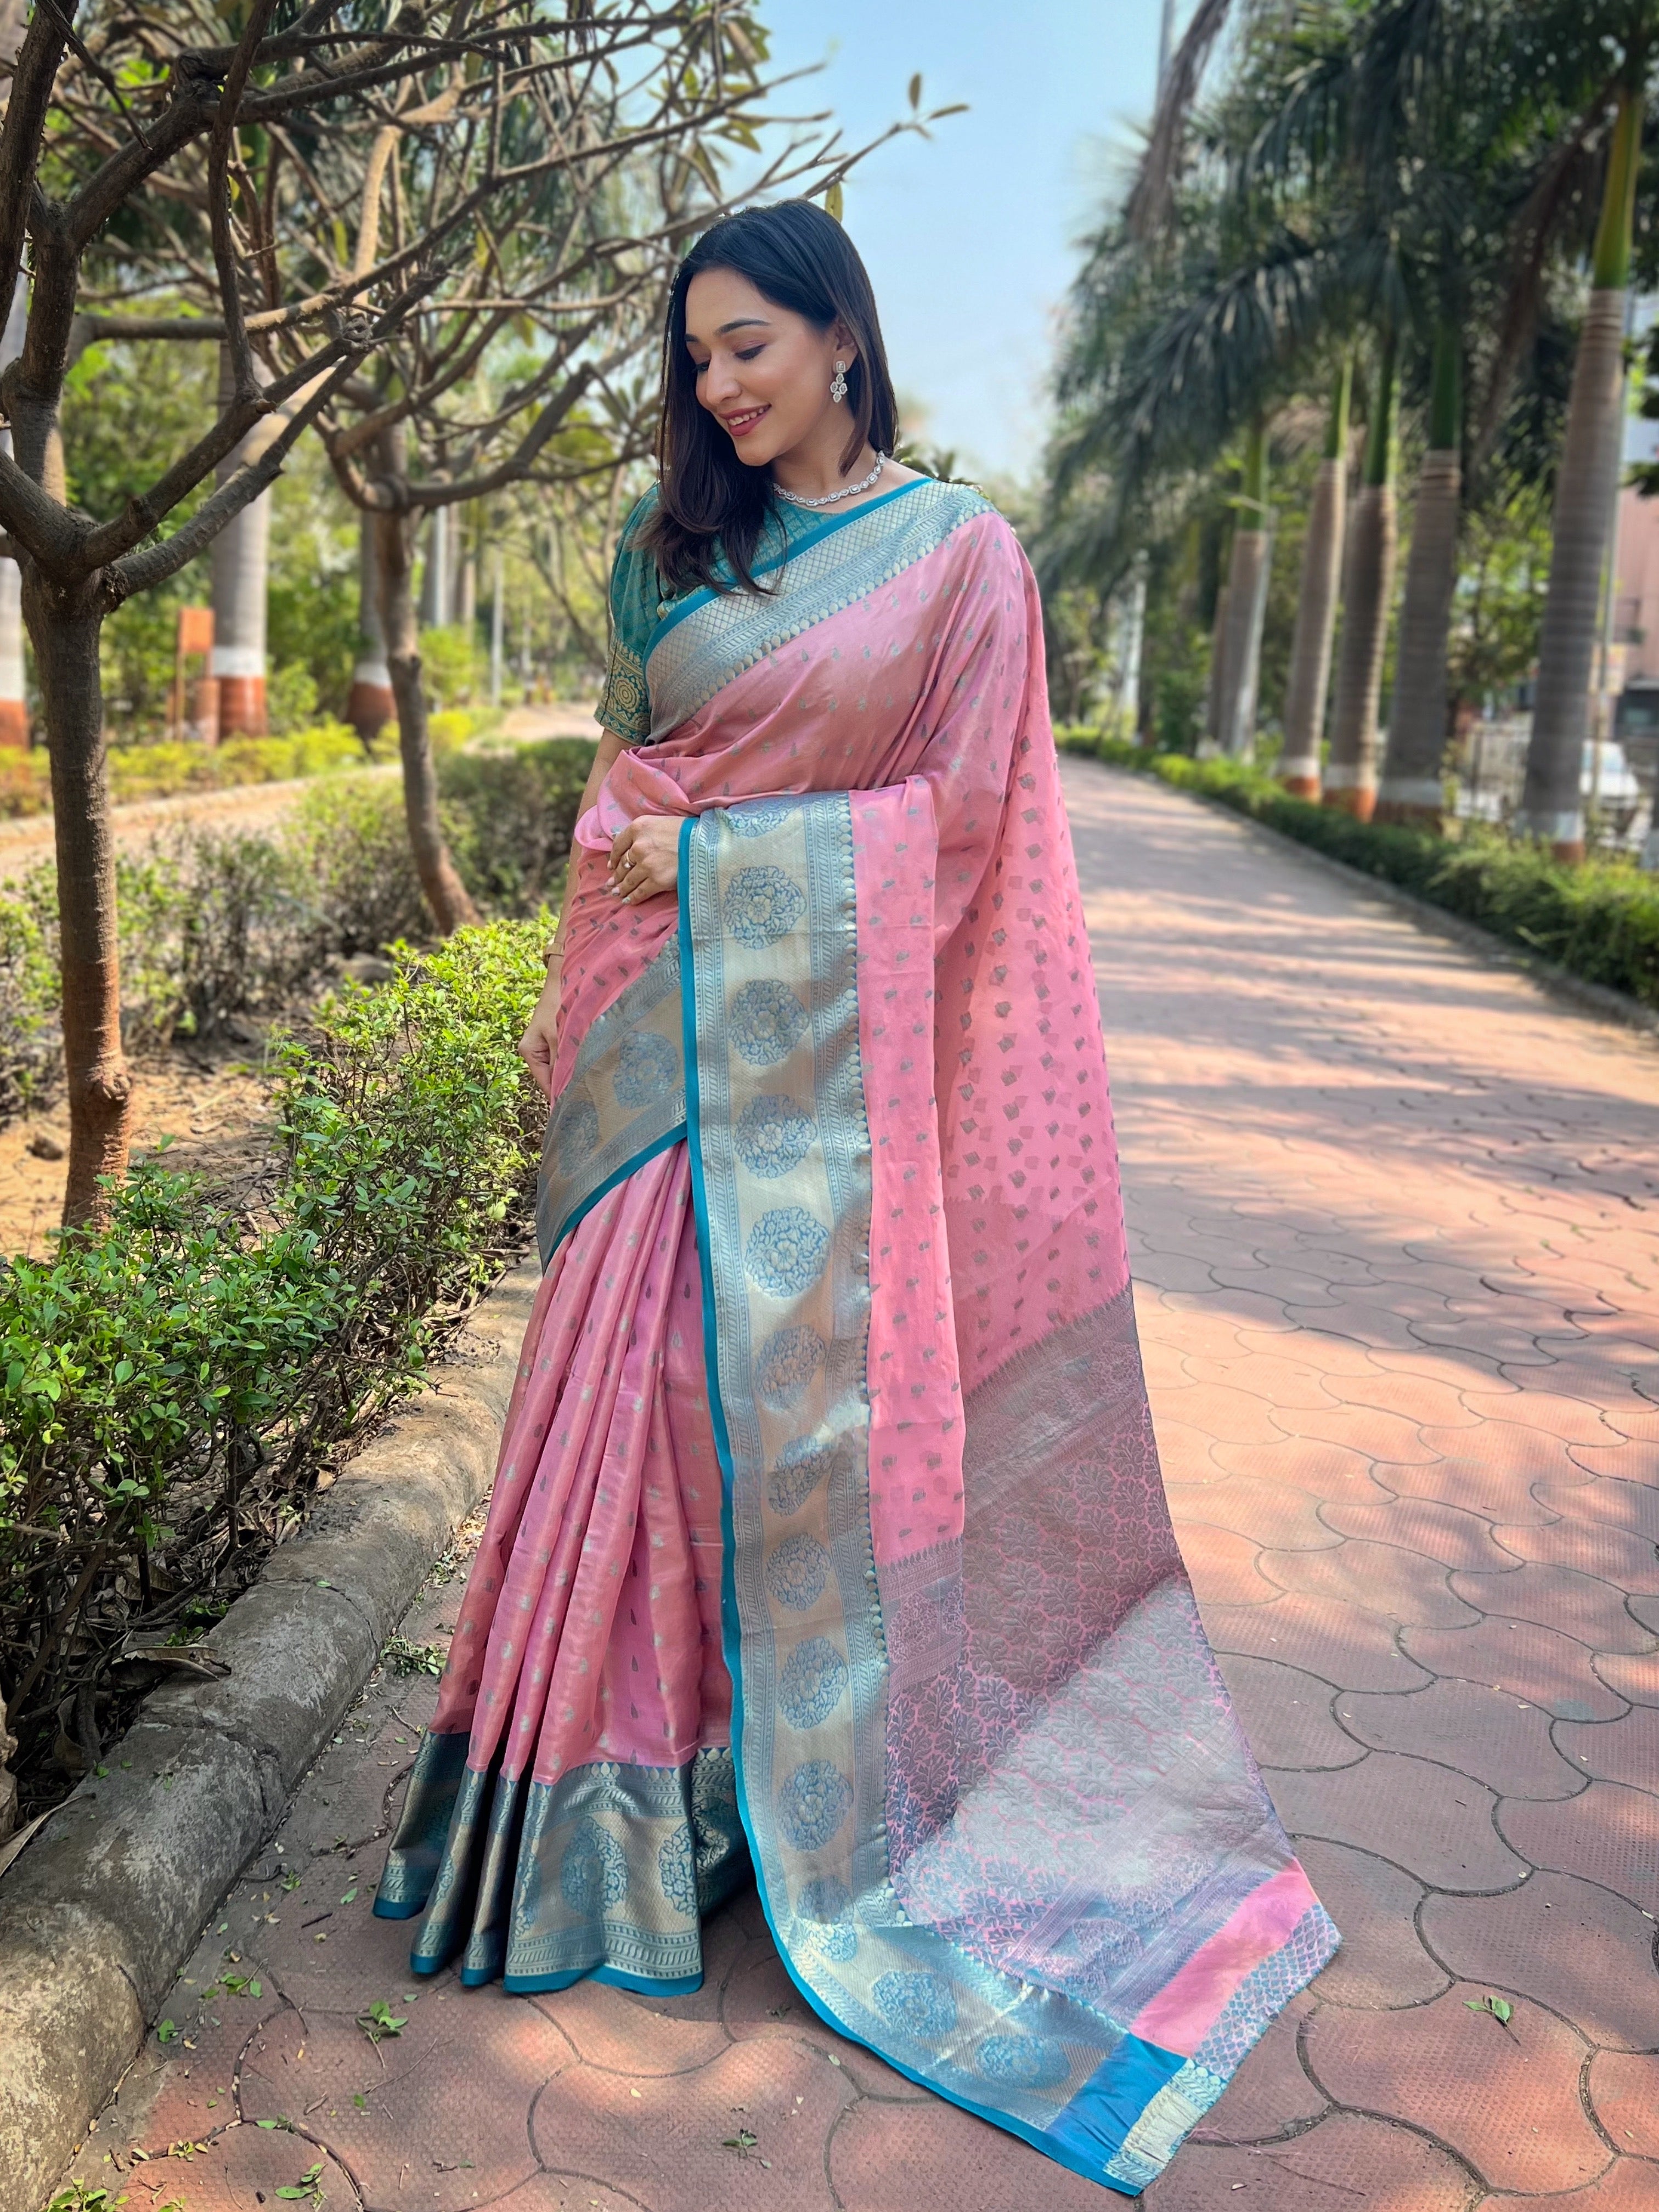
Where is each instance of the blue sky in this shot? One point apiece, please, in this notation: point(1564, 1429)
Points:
point(970, 239)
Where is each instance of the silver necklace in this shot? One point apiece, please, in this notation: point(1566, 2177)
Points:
point(830, 497)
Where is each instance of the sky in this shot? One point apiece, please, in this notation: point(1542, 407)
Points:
point(970, 239)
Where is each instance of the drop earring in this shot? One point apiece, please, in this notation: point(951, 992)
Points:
point(838, 383)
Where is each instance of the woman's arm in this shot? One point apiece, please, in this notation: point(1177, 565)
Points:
point(536, 1045)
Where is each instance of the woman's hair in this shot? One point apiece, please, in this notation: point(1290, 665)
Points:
point(710, 502)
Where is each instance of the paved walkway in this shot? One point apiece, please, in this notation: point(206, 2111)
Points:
point(1392, 1214)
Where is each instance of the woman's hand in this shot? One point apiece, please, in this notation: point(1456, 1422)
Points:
point(536, 1045)
point(645, 859)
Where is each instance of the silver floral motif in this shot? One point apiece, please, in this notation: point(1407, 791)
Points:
point(772, 1136)
point(812, 1682)
point(919, 2005)
point(786, 1250)
point(576, 1134)
point(647, 1066)
point(676, 1870)
point(593, 1871)
point(825, 1908)
point(756, 816)
point(786, 1367)
point(796, 1572)
point(767, 1021)
point(762, 905)
point(812, 1804)
point(1028, 2061)
point(801, 1465)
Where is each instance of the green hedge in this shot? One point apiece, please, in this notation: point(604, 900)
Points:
point(170, 1385)
point(216, 924)
point(1598, 919)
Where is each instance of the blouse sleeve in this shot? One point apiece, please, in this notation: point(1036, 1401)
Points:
point(624, 706)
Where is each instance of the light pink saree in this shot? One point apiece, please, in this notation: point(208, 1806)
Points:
point(829, 1532)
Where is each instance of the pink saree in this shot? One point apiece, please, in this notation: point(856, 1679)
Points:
point(829, 1535)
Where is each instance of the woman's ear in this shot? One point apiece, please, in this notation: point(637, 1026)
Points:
point(845, 345)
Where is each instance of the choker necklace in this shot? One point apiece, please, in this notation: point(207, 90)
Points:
point(830, 497)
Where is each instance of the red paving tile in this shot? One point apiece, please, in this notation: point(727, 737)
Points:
point(1420, 1524)
point(1581, 1951)
point(1391, 1210)
point(1523, 1657)
point(1287, 1715)
point(1557, 1597)
point(1348, 1649)
point(1615, 1751)
point(1624, 2092)
point(1495, 1737)
point(1608, 1835)
point(1436, 1825)
point(1380, 1578)
point(1630, 2185)
point(1502, 2094)
point(1363, 2164)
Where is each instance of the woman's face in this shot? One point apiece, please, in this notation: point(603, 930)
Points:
point(763, 372)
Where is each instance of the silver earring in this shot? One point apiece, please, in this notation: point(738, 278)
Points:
point(838, 383)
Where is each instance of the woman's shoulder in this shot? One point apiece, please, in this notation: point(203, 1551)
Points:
point(639, 516)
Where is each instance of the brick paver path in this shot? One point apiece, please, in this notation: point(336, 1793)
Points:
point(1393, 1217)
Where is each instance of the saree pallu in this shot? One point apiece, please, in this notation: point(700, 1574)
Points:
point(830, 1205)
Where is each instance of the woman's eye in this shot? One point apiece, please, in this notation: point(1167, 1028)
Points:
point(751, 354)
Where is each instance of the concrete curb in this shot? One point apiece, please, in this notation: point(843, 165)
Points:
point(102, 1909)
point(1560, 982)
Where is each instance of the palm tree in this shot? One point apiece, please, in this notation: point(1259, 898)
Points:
point(1367, 597)
point(1246, 605)
point(1316, 601)
point(1410, 789)
point(1551, 806)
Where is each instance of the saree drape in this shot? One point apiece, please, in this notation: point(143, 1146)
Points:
point(829, 1522)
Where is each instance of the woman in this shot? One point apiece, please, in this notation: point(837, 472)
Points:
point(828, 1536)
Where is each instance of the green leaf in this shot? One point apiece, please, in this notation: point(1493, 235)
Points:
point(167, 2031)
point(835, 200)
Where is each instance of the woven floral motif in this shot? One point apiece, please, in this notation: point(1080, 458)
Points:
point(796, 1572)
point(1027, 2062)
point(786, 1366)
point(772, 1136)
point(917, 2004)
point(593, 1871)
point(766, 1022)
point(646, 1067)
point(802, 1465)
point(812, 1682)
point(762, 905)
point(576, 1134)
point(676, 1870)
point(812, 1804)
point(786, 1250)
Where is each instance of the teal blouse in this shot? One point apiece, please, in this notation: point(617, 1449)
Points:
point(641, 603)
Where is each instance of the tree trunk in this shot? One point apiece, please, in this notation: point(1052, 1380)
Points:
point(14, 709)
point(370, 706)
point(1411, 788)
point(1209, 744)
point(1367, 596)
point(434, 579)
point(240, 559)
point(1591, 452)
point(1299, 767)
point(1247, 605)
point(445, 892)
point(65, 632)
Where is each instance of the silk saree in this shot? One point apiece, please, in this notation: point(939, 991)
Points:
point(829, 1538)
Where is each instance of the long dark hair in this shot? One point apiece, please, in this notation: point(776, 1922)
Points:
point(799, 257)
